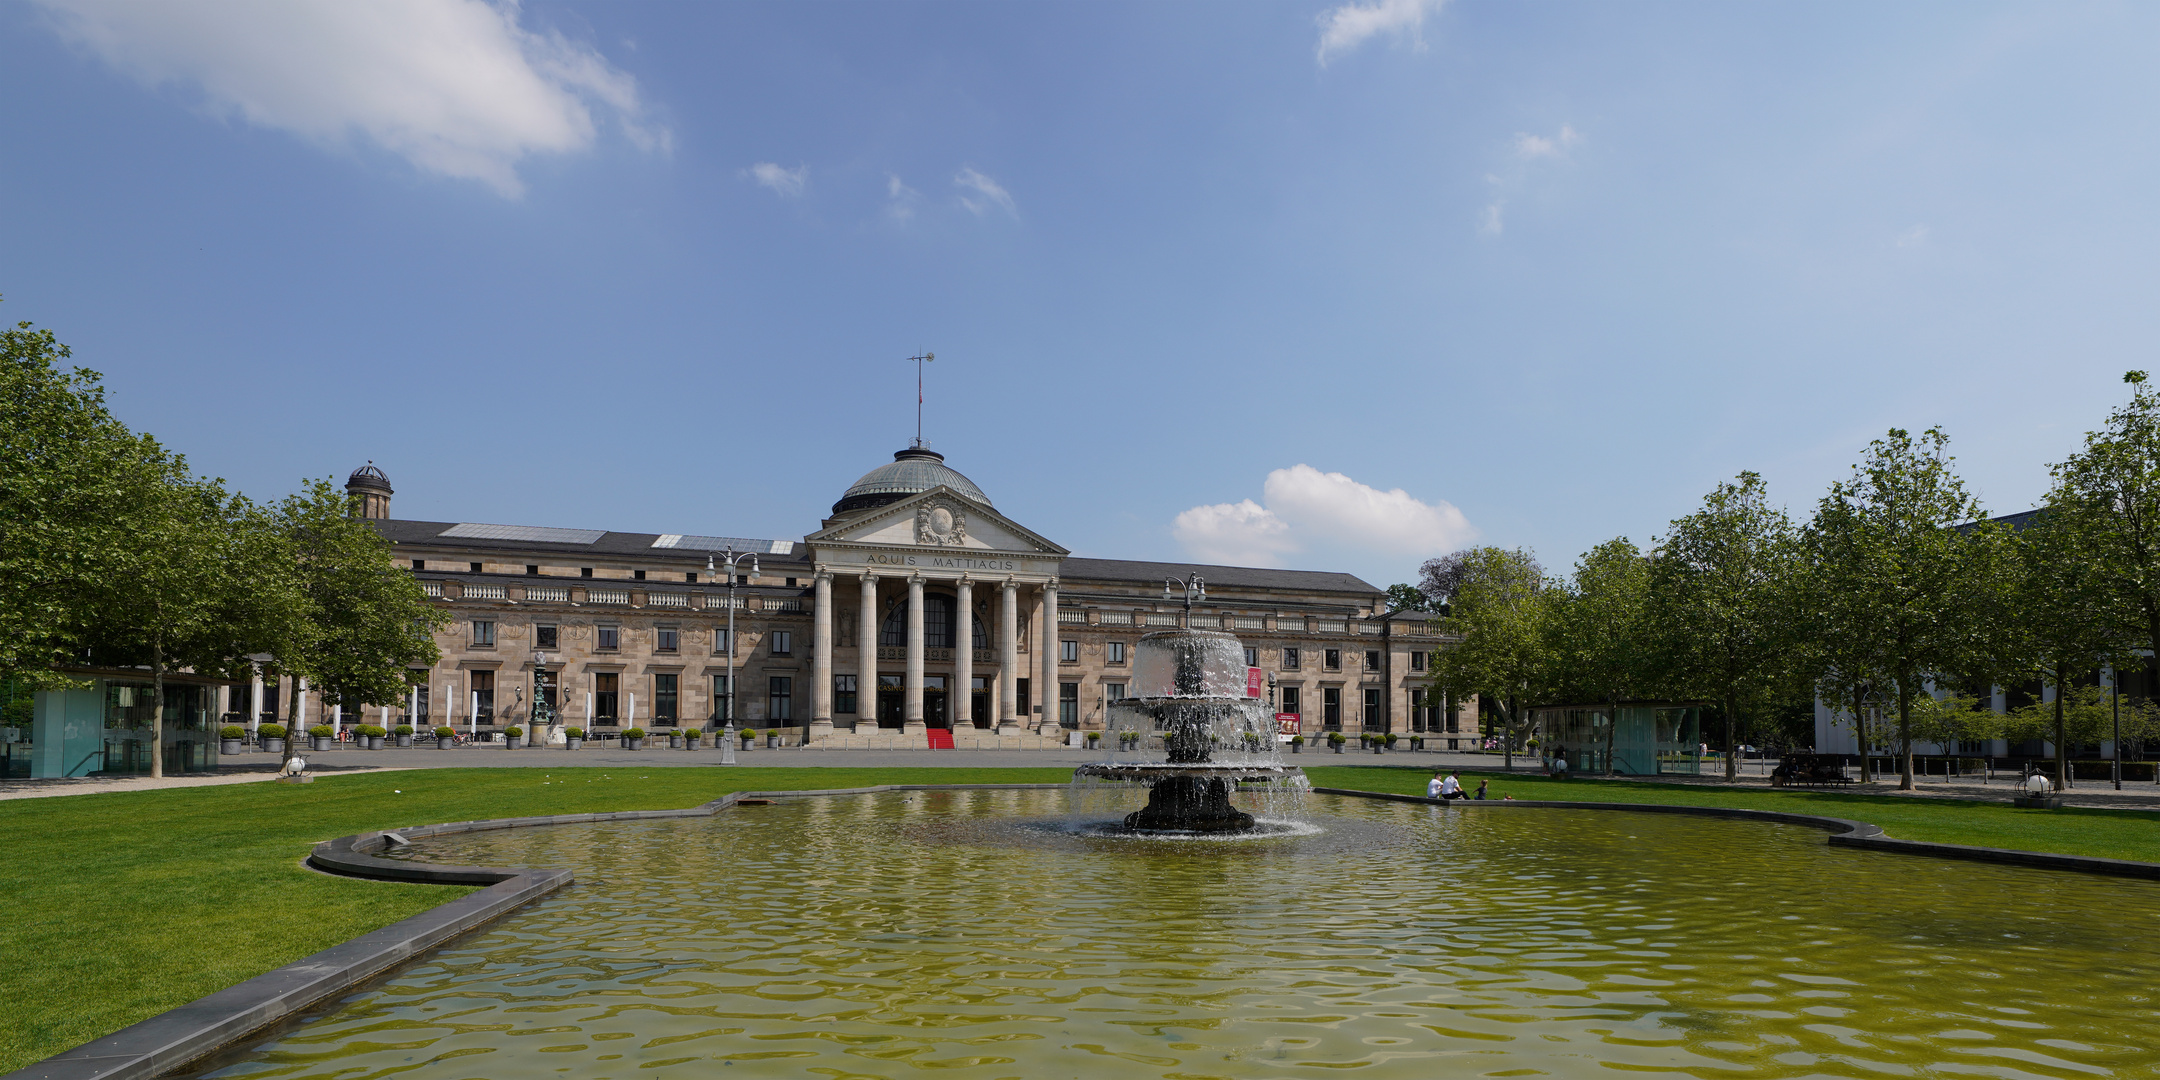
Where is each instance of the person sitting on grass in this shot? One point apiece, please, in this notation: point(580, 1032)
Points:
point(1433, 786)
point(1450, 789)
point(1480, 796)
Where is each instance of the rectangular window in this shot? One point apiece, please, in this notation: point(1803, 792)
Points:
point(475, 568)
point(1113, 691)
point(483, 688)
point(1069, 704)
point(1372, 719)
point(780, 698)
point(584, 571)
point(663, 700)
point(532, 570)
point(1333, 657)
point(690, 577)
point(843, 695)
point(637, 575)
point(783, 643)
point(609, 638)
point(667, 639)
point(791, 583)
point(720, 698)
point(1020, 697)
point(607, 691)
point(720, 641)
point(1293, 700)
point(544, 637)
point(1290, 659)
point(1417, 661)
point(1252, 656)
point(1115, 652)
point(1068, 652)
point(1372, 659)
point(1331, 706)
point(419, 564)
point(483, 632)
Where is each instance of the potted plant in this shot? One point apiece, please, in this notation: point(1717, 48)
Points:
point(772, 738)
point(633, 738)
point(674, 739)
point(1297, 744)
point(229, 738)
point(514, 737)
point(368, 736)
point(1093, 737)
point(573, 737)
point(272, 737)
point(748, 736)
point(1389, 738)
point(323, 735)
point(445, 736)
point(1417, 742)
point(1335, 741)
point(404, 735)
point(690, 738)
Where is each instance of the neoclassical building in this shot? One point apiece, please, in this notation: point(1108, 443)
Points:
point(916, 611)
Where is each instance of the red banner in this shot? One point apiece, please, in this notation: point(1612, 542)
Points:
point(1287, 722)
point(1253, 682)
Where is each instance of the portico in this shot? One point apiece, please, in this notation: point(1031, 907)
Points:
point(916, 560)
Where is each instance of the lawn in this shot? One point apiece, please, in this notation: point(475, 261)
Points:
point(121, 905)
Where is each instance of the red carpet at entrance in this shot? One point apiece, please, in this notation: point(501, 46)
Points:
point(940, 738)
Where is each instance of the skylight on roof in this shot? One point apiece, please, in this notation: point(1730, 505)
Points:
point(722, 543)
point(535, 534)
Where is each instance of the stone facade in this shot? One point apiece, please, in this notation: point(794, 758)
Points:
point(914, 612)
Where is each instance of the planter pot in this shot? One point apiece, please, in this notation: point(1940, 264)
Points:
point(514, 741)
point(229, 746)
point(772, 742)
point(403, 741)
point(444, 744)
point(321, 745)
point(572, 744)
point(374, 742)
point(1338, 747)
point(674, 742)
point(636, 744)
point(273, 746)
point(1297, 748)
point(692, 744)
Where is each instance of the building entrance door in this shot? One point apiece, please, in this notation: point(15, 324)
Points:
point(934, 711)
point(980, 710)
point(891, 700)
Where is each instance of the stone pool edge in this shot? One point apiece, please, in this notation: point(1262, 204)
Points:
point(182, 1036)
point(187, 1034)
point(1844, 832)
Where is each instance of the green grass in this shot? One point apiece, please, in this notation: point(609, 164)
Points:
point(2111, 834)
point(115, 907)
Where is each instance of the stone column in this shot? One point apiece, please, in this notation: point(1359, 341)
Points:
point(912, 710)
point(962, 693)
point(821, 659)
point(1048, 644)
point(866, 644)
point(1008, 656)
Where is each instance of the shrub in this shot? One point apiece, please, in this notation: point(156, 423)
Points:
point(633, 733)
point(322, 731)
point(692, 734)
point(232, 731)
point(401, 729)
point(270, 731)
point(368, 731)
point(1389, 738)
point(446, 732)
point(513, 733)
point(1093, 737)
point(1297, 740)
point(1336, 738)
point(573, 733)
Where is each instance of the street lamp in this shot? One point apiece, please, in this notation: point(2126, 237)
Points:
point(727, 732)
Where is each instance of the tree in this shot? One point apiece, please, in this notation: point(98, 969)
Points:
point(1500, 608)
point(61, 504)
point(345, 617)
point(1407, 598)
point(1900, 578)
point(1720, 582)
point(2060, 618)
point(1600, 630)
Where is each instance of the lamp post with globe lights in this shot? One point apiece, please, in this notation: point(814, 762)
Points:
point(730, 561)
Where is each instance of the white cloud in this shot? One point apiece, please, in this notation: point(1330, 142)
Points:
point(900, 199)
point(1913, 237)
point(1491, 222)
point(1305, 506)
point(788, 182)
point(456, 87)
point(1529, 147)
point(987, 194)
point(1351, 25)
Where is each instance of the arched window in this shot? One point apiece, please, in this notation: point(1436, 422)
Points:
point(938, 625)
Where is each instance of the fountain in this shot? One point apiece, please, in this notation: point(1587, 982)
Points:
point(1190, 691)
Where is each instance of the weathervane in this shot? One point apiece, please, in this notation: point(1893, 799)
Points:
point(919, 362)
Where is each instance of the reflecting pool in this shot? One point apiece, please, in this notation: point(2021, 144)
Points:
point(977, 935)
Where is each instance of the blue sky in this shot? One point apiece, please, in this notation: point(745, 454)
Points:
point(1338, 286)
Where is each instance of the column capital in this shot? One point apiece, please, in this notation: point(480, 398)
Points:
point(1050, 583)
point(967, 579)
point(869, 578)
point(915, 578)
point(824, 572)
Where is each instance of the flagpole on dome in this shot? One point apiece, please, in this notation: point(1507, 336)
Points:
point(919, 361)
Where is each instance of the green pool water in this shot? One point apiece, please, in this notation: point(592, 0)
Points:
point(968, 935)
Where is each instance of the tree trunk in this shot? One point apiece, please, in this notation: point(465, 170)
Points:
point(1859, 723)
point(1612, 729)
point(2062, 752)
point(1507, 734)
point(1732, 745)
point(1904, 733)
point(157, 706)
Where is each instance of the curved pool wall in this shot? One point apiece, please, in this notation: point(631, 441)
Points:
point(192, 1032)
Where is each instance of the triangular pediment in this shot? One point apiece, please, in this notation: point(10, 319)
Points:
point(937, 520)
